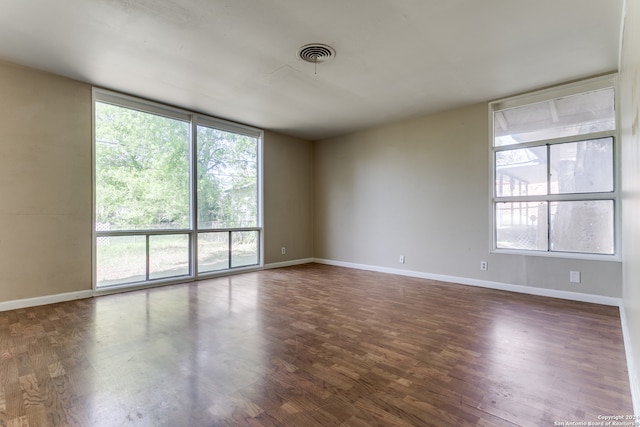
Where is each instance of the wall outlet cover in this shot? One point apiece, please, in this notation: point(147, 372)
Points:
point(574, 276)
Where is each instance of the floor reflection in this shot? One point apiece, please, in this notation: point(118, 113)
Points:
point(181, 350)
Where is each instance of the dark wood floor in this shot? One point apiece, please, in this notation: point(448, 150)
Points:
point(312, 345)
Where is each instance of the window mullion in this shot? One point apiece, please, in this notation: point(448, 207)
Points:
point(230, 249)
point(193, 205)
point(550, 198)
point(548, 226)
point(548, 147)
point(148, 260)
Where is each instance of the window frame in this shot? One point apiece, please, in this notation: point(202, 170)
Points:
point(194, 119)
point(548, 94)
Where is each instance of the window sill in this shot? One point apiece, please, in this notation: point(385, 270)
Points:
point(564, 255)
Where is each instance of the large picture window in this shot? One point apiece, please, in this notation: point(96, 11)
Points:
point(177, 194)
point(553, 162)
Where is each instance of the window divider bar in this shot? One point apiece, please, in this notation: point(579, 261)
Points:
point(572, 197)
point(553, 141)
point(193, 195)
point(549, 227)
point(548, 147)
point(147, 275)
point(216, 230)
point(230, 249)
point(116, 233)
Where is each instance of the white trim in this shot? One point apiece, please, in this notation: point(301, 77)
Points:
point(94, 262)
point(227, 126)
point(566, 255)
point(631, 369)
point(288, 263)
point(44, 300)
point(558, 91)
point(573, 296)
point(628, 349)
point(140, 104)
point(260, 196)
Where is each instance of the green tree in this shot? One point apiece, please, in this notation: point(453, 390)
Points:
point(142, 169)
point(142, 172)
point(227, 179)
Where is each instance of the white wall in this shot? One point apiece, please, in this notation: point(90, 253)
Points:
point(420, 188)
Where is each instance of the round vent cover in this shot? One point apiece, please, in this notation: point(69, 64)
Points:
point(316, 52)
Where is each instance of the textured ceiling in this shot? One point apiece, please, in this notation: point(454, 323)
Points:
point(237, 60)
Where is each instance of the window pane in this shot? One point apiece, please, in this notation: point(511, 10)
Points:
point(521, 225)
point(521, 172)
point(142, 169)
point(227, 179)
point(213, 251)
point(121, 259)
point(582, 226)
point(582, 167)
point(244, 248)
point(572, 115)
point(168, 256)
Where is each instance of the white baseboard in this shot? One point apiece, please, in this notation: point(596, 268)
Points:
point(574, 296)
point(288, 263)
point(631, 368)
point(48, 299)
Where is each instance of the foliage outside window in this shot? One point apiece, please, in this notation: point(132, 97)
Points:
point(553, 156)
point(176, 194)
point(227, 179)
point(142, 169)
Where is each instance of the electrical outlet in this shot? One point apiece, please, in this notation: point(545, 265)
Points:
point(284, 250)
point(401, 259)
point(484, 265)
point(574, 276)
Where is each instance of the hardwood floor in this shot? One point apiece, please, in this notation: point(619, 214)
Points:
point(312, 345)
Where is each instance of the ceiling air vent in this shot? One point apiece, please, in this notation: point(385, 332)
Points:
point(316, 53)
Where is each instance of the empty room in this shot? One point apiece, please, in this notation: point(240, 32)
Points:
point(279, 213)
